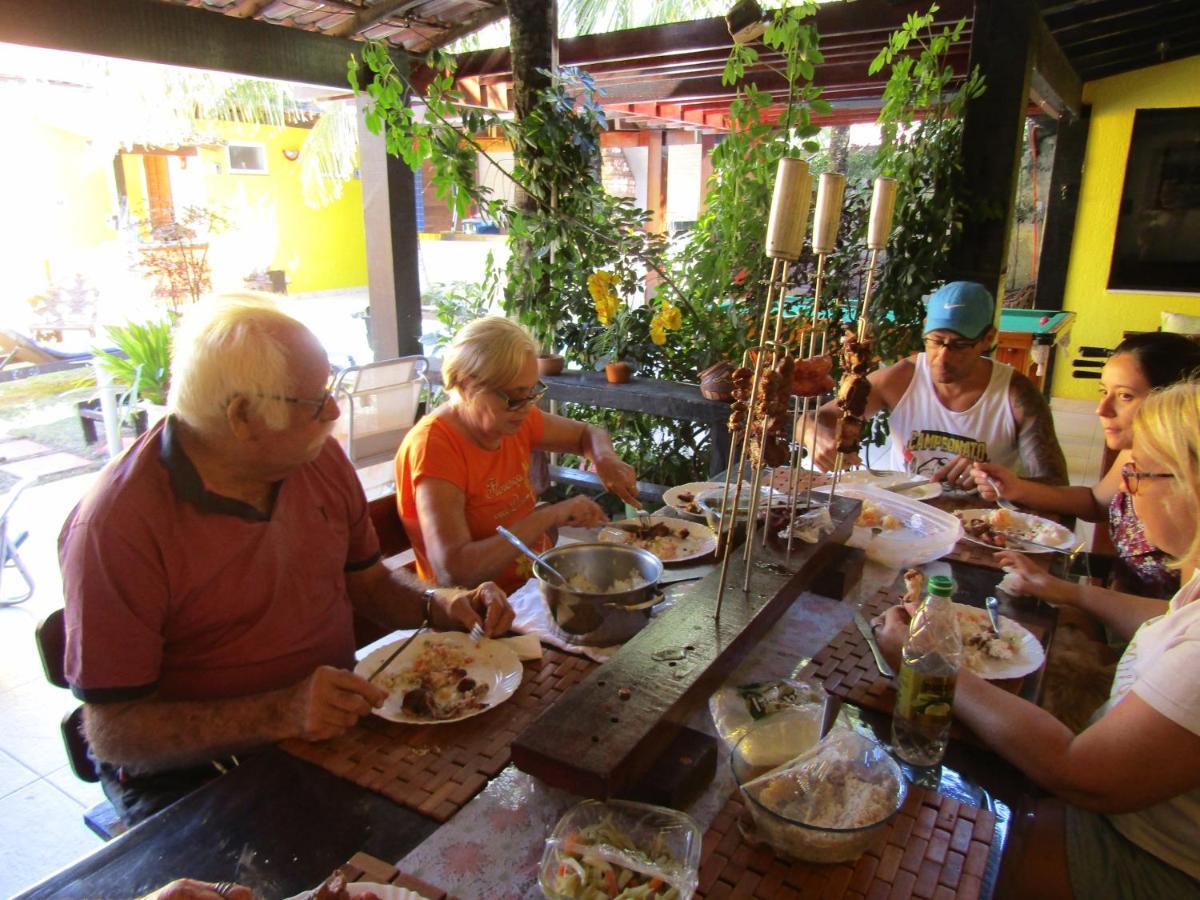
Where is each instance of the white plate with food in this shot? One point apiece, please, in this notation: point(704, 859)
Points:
point(443, 677)
point(1013, 654)
point(994, 528)
point(671, 540)
point(682, 497)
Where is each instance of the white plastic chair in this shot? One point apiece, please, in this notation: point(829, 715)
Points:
point(379, 403)
point(8, 546)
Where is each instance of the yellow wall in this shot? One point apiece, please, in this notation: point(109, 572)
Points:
point(58, 197)
point(1103, 315)
point(60, 206)
point(271, 227)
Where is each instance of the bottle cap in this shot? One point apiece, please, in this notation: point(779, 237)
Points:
point(941, 585)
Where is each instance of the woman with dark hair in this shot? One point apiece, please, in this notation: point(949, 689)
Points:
point(1140, 364)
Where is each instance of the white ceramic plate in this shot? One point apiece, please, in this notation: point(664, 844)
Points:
point(383, 891)
point(671, 496)
point(1028, 653)
point(1025, 525)
point(491, 663)
point(697, 541)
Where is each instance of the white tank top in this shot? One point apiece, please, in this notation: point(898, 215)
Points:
point(926, 435)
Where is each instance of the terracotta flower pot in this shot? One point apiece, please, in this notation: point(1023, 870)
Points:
point(618, 372)
point(716, 382)
point(550, 364)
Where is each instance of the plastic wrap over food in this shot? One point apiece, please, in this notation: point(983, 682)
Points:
point(824, 804)
point(735, 709)
point(622, 849)
point(810, 525)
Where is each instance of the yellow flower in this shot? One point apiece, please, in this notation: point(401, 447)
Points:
point(671, 317)
point(657, 333)
point(600, 286)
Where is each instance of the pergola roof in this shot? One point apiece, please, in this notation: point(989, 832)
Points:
point(414, 25)
point(670, 75)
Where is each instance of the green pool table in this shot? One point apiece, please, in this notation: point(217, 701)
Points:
point(1026, 337)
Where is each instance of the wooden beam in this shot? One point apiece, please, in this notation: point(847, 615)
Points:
point(1054, 79)
point(1062, 204)
point(659, 42)
point(157, 32)
point(993, 138)
point(656, 180)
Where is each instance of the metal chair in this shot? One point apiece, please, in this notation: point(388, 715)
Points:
point(380, 402)
point(9, 545)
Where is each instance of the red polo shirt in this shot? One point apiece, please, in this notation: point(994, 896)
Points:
point(177, 591)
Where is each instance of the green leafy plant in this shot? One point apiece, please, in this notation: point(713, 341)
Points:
point(723, 268)
point(459, 302)
point(921, 121)
point(143, 365)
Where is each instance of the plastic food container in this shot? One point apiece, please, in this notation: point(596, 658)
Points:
point(619, 843)
point(908, 533)
point(845, 778)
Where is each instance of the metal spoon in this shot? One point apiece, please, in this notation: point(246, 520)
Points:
point(993, 611)
point(537, 560)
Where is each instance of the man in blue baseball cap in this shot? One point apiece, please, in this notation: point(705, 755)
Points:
point(952, 406)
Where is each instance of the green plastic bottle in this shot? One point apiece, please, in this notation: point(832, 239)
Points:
point(928, 672)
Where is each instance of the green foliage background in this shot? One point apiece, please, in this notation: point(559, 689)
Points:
point(718, 276)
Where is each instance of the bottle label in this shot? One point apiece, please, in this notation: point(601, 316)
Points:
point(924, 698)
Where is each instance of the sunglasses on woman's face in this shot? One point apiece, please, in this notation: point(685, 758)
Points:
point(1131, 477)
point(512, 404)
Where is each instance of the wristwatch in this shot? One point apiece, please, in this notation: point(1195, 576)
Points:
point(429, 595)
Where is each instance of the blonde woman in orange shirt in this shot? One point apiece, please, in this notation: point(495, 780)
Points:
point(464, 468)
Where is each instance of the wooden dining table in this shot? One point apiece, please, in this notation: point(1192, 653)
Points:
point(280, 824)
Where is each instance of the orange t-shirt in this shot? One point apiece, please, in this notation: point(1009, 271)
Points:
point(495, 482)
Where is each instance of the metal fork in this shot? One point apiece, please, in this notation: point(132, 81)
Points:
point(476, 633)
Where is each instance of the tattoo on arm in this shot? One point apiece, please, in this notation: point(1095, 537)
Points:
point(1041, 456)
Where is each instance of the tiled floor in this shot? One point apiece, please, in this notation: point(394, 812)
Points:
point(41, 801)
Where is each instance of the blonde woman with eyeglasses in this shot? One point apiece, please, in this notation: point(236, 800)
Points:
point(464, 468)
point(1130, 823)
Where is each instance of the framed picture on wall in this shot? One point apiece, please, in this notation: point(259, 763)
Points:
point(1157, 245)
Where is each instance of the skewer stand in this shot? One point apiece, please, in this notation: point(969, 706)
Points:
point(607, 732)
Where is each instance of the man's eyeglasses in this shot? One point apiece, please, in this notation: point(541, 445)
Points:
point(512, 404)
point(1130, 476)
point(321, 405)
point(932, 344)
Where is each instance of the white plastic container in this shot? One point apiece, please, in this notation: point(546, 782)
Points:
point(922, 533)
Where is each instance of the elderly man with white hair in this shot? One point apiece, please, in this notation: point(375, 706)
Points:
point(212, 572)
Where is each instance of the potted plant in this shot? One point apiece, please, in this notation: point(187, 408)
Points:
point(142, 367)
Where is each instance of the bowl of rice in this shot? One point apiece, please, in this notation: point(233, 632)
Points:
point(609, 592)
point(828, 804)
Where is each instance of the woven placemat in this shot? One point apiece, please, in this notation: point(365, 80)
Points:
point(935, 847)
point(436, 769)
point(364, 867)
point(847, 668)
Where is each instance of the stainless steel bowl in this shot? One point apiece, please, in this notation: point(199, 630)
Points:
point(601, 619)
